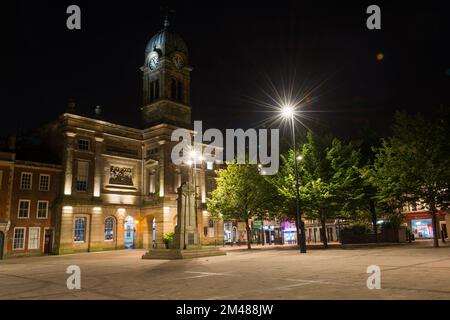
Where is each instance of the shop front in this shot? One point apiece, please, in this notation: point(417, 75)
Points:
point(289, 231)
point(421, 224)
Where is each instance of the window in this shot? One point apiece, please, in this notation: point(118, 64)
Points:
point(210, 228)
point(176, 90)
point(109, 229)
point(173, 90)
point(33, 238)
point(180, 91)
point(82, 175)
point(1, 179)
point(157, 89)
point(26, 180)
point(83, 145)
point(209, 165)
point(42, 210)
point(80, 230)
point(152, 182)
point(19, 239)
point(24, 209)
point(154, 90)
point(177, 180)
point(44, 182)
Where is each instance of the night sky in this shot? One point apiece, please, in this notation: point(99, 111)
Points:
point(236, 49)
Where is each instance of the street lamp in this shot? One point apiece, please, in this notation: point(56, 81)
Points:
point(288, 113)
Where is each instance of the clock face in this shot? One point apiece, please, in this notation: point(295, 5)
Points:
point(178, 61)
point(153, 60)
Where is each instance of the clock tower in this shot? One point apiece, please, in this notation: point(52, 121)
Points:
point(166, 80)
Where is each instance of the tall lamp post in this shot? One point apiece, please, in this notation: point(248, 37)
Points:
point(288, 113)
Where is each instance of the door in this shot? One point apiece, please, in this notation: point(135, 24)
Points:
point(2, 237)
point(48, 241)
point(129, 233)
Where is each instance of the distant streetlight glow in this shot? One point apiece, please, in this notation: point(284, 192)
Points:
point(300, 158)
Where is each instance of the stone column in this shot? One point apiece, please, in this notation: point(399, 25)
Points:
point(162, 164)
point(68, 165)
point(98, 166)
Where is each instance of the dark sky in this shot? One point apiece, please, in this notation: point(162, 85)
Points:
point(235, 47)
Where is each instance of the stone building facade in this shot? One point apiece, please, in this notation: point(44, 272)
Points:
point(118, 185)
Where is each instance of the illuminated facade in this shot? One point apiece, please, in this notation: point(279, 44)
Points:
point(118, 184)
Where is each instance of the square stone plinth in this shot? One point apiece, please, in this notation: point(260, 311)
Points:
point(172, 254)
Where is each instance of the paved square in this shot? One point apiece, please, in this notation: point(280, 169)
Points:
point(408, 272)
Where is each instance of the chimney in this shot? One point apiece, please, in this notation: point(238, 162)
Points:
point(12, 143)
point(98, 111)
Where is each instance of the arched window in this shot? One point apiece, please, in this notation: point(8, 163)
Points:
point(80, 230)
point(109, 229)
point(211, 224)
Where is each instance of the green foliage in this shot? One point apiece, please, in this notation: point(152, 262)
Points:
point(242, 193)
point(168, 237)
point(413, 165)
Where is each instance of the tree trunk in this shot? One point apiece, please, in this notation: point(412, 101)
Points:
point(324, 230)
point(374, 219)
point(433, 220)
point(247, 227)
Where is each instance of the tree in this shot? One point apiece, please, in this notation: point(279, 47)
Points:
point(241, 194)
point(318, 196)
point(413, 165)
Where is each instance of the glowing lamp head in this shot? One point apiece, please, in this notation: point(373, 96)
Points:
point(287, 111)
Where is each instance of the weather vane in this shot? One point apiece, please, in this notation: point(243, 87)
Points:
point(167, 13)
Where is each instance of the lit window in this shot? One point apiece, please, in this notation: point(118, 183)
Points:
point(83, 145)
point(24, 209)
point(25, 181)
point(109, 229)
point(44, 182)
point(80, 230)
point(82, 175)
point(33, 238)
point(209, 165)
point(42, 211)
point(19, 239)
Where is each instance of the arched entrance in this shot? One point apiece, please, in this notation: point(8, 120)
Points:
point(2, 242)
point(130, 232)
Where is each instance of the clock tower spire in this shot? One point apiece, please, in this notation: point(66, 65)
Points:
point(166, 80)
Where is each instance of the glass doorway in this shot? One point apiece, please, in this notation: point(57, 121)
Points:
point(130, 232)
